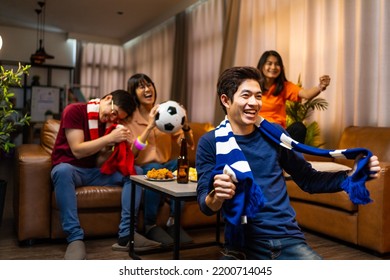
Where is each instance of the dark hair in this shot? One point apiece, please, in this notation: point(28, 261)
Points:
point(135, 81)
point(230, 80)
point(279, 81)
point(124, 101)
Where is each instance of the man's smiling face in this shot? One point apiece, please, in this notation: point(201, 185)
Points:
point(243, 110)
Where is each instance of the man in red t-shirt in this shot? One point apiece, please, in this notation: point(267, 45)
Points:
point(80, 139)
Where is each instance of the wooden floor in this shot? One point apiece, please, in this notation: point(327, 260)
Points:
point(100, 248)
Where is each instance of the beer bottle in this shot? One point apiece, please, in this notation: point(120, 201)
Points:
point(183, 163)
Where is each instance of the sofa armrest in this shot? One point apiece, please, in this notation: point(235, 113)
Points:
point(32, 192)
point(374, 218)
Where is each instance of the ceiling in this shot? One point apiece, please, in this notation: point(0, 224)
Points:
point(107, 21)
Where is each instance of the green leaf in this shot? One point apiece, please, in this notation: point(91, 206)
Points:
point(10, 120)
point(301, 112)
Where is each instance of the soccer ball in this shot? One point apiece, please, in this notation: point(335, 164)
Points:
point(170, 117)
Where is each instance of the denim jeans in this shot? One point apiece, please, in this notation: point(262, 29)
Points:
point(152, 199)
point(66, 178)
point(288, 248)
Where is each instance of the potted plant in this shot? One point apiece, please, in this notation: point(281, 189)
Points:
point(301, 112)
point(10, 120)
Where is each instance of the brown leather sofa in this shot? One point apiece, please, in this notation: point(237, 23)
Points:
point(334, 215)
point(35, 211)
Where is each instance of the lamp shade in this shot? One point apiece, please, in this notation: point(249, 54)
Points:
point(1, 42)
point(40, 54)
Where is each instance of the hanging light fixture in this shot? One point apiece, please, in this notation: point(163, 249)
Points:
point(40, 55)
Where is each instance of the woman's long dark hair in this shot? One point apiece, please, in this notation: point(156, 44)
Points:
point(279, 81)
point(135, 81)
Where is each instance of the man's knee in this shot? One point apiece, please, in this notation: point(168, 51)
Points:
point(138, 170)
point(62, 169)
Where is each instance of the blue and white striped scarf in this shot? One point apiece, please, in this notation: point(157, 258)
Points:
point(249, 198)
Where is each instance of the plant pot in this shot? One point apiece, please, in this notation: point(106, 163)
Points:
point(3, 188)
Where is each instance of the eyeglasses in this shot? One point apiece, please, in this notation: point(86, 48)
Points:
point(144, 86)
point(115, 113)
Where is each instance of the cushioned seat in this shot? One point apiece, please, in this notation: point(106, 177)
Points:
point(93, 197)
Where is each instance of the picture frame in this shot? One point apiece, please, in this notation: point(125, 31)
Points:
point(44, 100)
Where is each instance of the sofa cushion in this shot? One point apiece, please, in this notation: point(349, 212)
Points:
point(49, 134)
point(376, 139)
point(96, 197)
point(339, 200)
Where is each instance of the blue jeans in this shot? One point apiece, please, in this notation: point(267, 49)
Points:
point(66, 178)
point(288, 248)
point(152, 199)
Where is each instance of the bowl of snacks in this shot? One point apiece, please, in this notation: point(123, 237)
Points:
point(162, 174)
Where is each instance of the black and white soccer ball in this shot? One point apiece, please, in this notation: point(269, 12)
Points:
point(170, 117)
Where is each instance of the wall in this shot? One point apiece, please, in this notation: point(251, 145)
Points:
point(19, 44)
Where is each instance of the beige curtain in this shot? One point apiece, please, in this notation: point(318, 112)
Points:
point(102, 69)
point(180, 55)
point(205, 41)
point(152, 54)
point(230, 30)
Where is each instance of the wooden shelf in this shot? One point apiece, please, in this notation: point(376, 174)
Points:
point(49, 76)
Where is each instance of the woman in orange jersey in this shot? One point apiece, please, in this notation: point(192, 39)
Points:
point(277, 90)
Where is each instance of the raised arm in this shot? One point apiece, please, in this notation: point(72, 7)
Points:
point(314, 91)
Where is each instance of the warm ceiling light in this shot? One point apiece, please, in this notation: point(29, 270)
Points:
point(40, 54)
